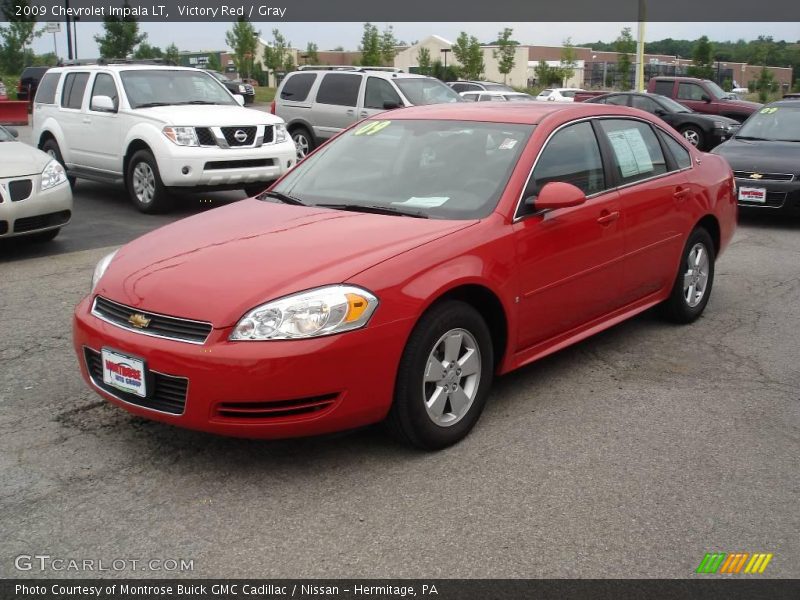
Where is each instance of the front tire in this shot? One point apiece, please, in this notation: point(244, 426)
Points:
point(692, 287)
point(303, 141)
point(443, 377)
point(145, 188)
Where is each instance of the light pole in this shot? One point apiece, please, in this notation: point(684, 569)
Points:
point(445, 51)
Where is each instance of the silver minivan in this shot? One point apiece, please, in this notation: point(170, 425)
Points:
point(319, 102)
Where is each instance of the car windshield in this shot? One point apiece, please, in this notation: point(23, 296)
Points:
point(170, 86)
point(716, 90)
point(426, 90)
point(439, 169)
point(5, 135)
point(671, 105)
point(518, 97)
point(774, 124)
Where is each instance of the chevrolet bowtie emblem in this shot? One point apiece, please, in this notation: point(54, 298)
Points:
point(138, 320)
point(756, 176)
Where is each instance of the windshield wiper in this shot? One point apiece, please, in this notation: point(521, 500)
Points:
point(152, 104)
point(285, 198)
point(378, 210)
point(197, 102)
point(755, 139)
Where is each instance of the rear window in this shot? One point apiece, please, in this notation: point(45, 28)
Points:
point(46, 94)
point(74, 87)
point(339, 89)
point(296, 87)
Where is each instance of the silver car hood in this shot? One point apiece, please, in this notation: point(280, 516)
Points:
point(18, 160)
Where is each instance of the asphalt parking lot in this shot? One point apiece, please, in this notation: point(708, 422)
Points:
point(629, 455)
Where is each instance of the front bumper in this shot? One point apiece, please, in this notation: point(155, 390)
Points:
point(782, 196)
point(225, 168)
point(273, 389)
point(40, 211)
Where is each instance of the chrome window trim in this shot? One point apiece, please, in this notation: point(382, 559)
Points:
point(517, 217)
point(147, 333)
point(104, 391)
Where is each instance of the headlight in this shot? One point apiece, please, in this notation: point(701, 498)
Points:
point(53, 174)
point(281, 135)
point(101, 267)
point(242, 89)
point(314, 313)
point(183, 136)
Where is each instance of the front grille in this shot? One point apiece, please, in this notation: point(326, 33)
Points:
point(230, 135)
point(764, 176)
point(248, 89)
point(175, 328)
point(269, 134)
point(205, 136)
point(168, 393)
point(275, 410)
point(41, 221)
point(216, 165)
point(20, 189)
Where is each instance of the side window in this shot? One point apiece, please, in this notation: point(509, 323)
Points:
point(470, 97)
point(679, 153)
point(637, 153)
point(459, 87)
point(690, 91)
point(617, 100)
point(104, 86)
point(46, 94)
point(665, 88)
point(296, 87)
point(380, 92)
point(572, 156)
point(643, 103)
point(340, 89)
point(74, 87)
point(485, 98)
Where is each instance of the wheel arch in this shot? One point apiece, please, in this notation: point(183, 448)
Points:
point(133, 147)
point(711, 225)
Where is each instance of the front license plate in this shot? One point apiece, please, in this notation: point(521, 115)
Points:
point(125, 373)
point(752, 194)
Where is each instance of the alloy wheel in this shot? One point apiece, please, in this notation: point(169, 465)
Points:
point(144, 183)
point(302, 144)
point(695, 279)
point(691, 136)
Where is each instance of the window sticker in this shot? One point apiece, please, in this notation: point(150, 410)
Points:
point(769, 110)
point(429, 202)
point(507, 144)
point(372, 128)
point(631, 151)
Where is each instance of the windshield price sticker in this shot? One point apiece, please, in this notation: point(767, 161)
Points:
point(372, 128)
point(769, 110)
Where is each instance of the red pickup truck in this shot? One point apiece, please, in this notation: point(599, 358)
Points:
point(703, 96)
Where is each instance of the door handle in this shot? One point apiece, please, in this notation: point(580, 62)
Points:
point(681, 193)
point(87, 120)
point(350, 111)
point(364, 114)
point(607, 218)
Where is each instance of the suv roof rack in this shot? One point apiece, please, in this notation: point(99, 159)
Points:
point(348, 68)
point(136, 61)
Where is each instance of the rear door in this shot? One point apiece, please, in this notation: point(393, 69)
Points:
point(71, 117)
point(335, 107)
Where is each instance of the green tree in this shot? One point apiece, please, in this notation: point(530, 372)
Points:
point(625, 45)
point(504, 53)
point(172, 54)
point(15, 34)
point(467, 51)
point(242, 38)
point(424, 61)
point(388, 44)
point(213, 62)
point(547, 75)
point(568, 61)
point(278, 55)
point(370, 46)
point(145, 51)
point(764, 84)
point(312, 54)
point(702, 60)
point(121, 36)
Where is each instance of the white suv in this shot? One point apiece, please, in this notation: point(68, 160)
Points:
point(157, 128)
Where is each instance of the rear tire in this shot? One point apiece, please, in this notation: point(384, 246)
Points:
point(694, 136)
point(692, 287)
point(443, 378)
point(303, 141)
point(145, 188)
point(51, 147)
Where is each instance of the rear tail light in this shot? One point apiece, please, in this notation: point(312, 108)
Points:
point(272, 107)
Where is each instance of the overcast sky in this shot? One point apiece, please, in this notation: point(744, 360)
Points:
point(211, 36)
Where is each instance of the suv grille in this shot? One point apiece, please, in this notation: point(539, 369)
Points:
point(20, 189)
point(168, 393)
point(175, 328)
point(205, 136)
point(231, 137)
point(764, 176)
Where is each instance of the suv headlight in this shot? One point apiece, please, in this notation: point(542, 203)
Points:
point(53, 174)
point(101, 267)
point(182, 136)
point(242, 89)
point(281, 135)
point(323, 311)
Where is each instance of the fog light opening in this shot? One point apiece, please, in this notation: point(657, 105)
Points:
point(185, 170)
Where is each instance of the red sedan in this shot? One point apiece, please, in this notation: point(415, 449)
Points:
point(400, 267)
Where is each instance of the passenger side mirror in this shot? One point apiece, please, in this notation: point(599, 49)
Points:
point(557, 194)
point(705, 98)
point(102, 104)
point(239, 99)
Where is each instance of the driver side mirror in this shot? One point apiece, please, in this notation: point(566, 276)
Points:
point(705, 98)
point(556, 194)
point(103, 104)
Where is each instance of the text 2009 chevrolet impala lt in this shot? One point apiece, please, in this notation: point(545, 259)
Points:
point(401, 266)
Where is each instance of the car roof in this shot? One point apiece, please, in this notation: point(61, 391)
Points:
point(123, 67)
point(530, 113)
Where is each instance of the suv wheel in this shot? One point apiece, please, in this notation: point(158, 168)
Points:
point(51, 147)
point(303, 141)
point(145, 187)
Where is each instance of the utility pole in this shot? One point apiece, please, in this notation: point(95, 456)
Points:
point(69, 30)
point(640, 47)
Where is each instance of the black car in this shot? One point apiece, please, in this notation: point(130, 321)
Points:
point(765, 158)
point(236, 86)
point(701, 131)
point(29, 82)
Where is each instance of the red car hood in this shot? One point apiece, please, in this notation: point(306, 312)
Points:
point(216, 266)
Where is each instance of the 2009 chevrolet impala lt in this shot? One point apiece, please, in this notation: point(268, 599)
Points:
point(400, 267)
